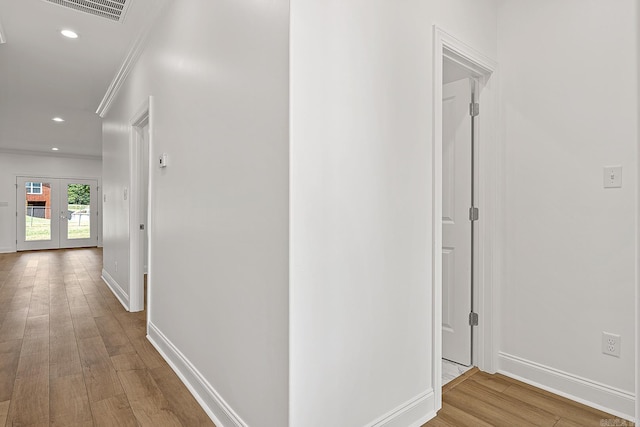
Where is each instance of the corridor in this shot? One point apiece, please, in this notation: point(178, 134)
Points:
point(71, 355)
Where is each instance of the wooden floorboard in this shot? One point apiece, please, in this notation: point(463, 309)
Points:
point(70, 355)
point(480, 399)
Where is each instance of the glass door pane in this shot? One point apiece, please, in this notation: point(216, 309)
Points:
point(78, 216)
point(38, 211)
point(38, 219)
point(78, 211)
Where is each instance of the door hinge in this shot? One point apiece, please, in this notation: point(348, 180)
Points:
point(473, 319)
point(474, 214)
point(474, 109)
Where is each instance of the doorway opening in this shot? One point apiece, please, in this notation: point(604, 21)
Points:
point(56, 213)
point(139, 212)
point(465, 197)
point(459, 112)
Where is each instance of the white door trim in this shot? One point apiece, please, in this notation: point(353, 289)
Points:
point(488, 158)
point(136, 282)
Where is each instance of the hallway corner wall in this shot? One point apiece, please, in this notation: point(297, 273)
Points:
point(218, 273)
point(362, 339)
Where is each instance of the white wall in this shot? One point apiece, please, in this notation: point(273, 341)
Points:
point(358, 298)
point(361, 146)
point(218, 71)
point(115, 178)
point(569, 73)
point(12, 165)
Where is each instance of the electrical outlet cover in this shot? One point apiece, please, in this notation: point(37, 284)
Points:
point(611, 344)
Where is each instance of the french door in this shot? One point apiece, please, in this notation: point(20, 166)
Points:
point(56, 213)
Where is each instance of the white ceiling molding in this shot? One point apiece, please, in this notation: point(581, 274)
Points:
point(49, 154)
point(130, 61)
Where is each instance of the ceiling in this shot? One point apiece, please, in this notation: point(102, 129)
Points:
point(45, 75)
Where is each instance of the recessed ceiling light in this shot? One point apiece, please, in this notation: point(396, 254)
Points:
point(70, 34)
point(55, 149)
point(58, 119)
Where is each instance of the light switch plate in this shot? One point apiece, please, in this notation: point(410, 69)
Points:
point(612, 176)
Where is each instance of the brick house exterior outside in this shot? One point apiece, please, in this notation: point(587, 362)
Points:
point(39, 205)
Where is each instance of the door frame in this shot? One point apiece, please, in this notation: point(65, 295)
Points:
point(144, 116)
point(488, 171)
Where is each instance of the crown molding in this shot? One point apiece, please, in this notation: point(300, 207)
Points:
point(130, 60)
point(49, 154)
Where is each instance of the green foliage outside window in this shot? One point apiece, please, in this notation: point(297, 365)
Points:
point(79, 194)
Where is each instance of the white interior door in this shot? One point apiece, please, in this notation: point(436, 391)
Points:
point(56, 213)
point(456, 225)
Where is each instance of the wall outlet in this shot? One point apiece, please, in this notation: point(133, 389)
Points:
point(611, 344)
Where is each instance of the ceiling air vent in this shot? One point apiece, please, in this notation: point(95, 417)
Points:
point(113, 10)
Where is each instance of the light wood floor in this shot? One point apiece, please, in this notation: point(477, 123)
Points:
point(70, 355)
point(478, 399)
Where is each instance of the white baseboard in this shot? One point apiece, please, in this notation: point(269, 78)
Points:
point(591, 393)
point(7, 250)
point(214, 405)
point(413, 413)
point(116, 289)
